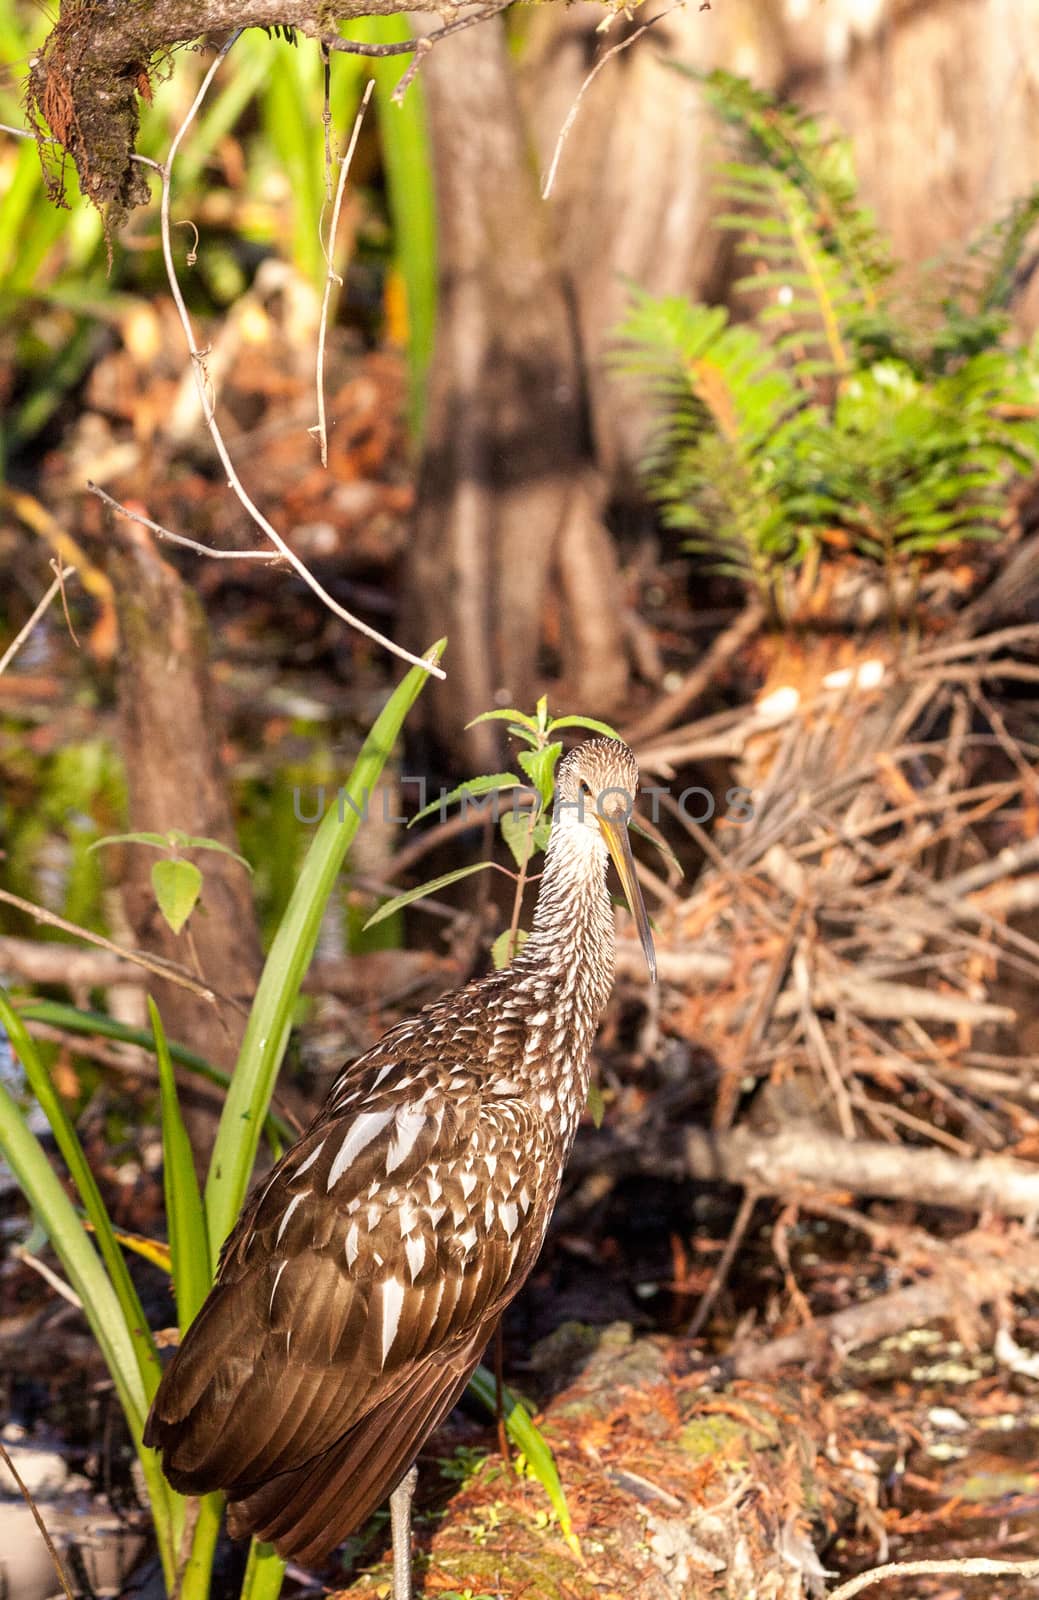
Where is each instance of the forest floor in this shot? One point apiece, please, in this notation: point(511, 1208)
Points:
point(696, 1461)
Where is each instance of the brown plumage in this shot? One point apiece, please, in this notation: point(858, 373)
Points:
point(368, 1271)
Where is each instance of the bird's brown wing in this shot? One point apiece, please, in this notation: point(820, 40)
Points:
point(305, 1513)
point(340, 1293)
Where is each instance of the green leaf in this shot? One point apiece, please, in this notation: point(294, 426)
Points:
point(592, 724)
point(527, 1436)
point(423, 890)
point(505, 947)
point(158, 841)
point(177, 885)
point(474, 786)
point(110, 1301)
point(518, 833)
point(185, 1217)
point(270, 1018)
point(509, 715)
point(658, 843)
point(196, 841)
point(596, 1104)
point(540, 767)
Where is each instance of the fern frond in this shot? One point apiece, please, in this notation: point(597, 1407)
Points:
point(1000, 251)
point(727, 410)
point(791, 145)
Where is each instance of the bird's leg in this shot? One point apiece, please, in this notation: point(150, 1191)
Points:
point(400, 1526)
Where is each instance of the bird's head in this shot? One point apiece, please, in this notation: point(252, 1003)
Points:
point(596, 785)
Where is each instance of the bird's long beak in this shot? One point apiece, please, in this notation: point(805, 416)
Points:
point(618, 842)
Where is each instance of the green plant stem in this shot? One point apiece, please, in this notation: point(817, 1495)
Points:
point(521, 880)
point(198, 1568)
point(263, 1573)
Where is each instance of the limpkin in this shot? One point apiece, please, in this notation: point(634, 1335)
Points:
point(369, 1270)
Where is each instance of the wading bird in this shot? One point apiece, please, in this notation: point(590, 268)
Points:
point(368, 1271)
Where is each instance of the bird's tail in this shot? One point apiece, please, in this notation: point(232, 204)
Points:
point(306, 1512)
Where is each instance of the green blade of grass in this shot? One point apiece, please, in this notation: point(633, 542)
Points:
point(197, 1576)
point(270, 1018)
point(96, 1024)
point(263, 1573)
point(408, 165)
point(146, 1358)
point(185, 1216)
point(86, 1273)
point(527, 1436)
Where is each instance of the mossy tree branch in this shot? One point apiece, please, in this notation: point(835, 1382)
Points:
point(85, 84)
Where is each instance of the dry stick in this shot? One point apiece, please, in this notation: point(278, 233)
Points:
point(571, 116)
point(758, 1021)
point(450, 828)
point(424, 45)
point(206, 402)
point(61, 574)
point(169, 971)
point(830, 1339)
point(178, 538)
point(332, 275)
point(751, 1196)
point(984, 644)
point(806, 1157)
point(31, 1503)
point(57, 1283)
point(968, 1567)
point(674, 705)
point(1003, 864)
point(23, 634)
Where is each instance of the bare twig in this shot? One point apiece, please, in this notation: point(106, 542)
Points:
point(61, 574)
point(355, 979)
point(49, 1276)
point(167, 970)
point(332, 276)
point(117, 506)
point(719, 1279)
point(418, 47)
point(571, 116)
point(206, 401)
point(886, 1000)
point(23, 633)
point(44, 1535)
point(967, 1567)
point(1014, 858)
point(667, 710)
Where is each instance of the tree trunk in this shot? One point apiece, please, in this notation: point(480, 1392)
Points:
point(508, 532)
point(170, 736)
point(940, 151)
point(633, 191)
